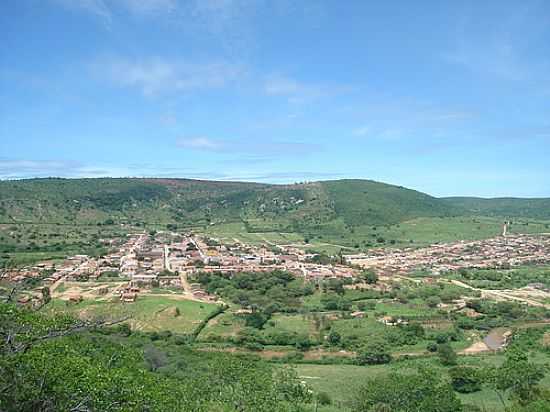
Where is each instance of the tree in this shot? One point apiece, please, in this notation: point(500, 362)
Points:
point(370, 276)
point(446, 354)
point(465, 379)
point(433, 301)
point(373, 353)
point(334, 338)
point(46, 297)
point(45, 365)
point(323, 399)
point(424, 391)
point(154, 357)
point(256, 320)
point(518, 376)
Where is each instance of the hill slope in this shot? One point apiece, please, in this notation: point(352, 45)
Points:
point(261, 207)
point(503, 207)
point(361, 202)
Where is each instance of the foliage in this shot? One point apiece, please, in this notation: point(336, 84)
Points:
point(518, 376)
point(466, 379)
point(46, 366)
point(369, 276)
point(373, 353)
point(447, 355)
point(273, 291)
point(423, 391)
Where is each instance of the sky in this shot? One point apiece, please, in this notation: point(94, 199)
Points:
point(446, 97)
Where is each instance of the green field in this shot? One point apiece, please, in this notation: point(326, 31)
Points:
point(417, 232)
point(147, 313)
point(342, 381)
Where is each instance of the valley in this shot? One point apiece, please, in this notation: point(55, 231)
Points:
point(340, 283)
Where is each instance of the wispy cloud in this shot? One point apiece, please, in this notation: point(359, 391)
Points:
point(202, 143)
point(105, 10)
point(150, 7)
point(159, 75)
point(11, 169)
point(498, 59)
point(25, 168)
point(298, 92)
point(265, 149)
point(362, 131)
point(502, 49)
point(97, 8)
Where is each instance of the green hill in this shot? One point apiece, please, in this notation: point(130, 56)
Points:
point(307, 207)
point(503, 207)
point(261, 207)
point(361, 202)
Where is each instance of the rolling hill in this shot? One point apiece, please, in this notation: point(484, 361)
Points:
point(261, 207)
point(503, 207)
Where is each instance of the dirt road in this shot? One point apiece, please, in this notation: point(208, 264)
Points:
point(499, 294)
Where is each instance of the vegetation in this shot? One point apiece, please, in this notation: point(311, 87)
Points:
point(48, 218)
point(48, 366)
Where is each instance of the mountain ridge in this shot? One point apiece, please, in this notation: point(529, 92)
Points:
point(298, 207)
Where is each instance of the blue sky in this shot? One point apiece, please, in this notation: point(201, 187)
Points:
point(446, 97)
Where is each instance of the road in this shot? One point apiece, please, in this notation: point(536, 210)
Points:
point(499, 295)
point(56, 284)
point(185, 283)
point(166, 258)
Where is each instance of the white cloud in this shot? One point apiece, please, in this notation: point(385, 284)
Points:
point(253, 148)
point(97, 8)
point(13, 169)
point(298, 92)
point(503, 49)
point(25, 168)
point(104, 9)
point(150, 7)
point(279, 85)
point(200, 143)
point(362, 131)
point(156, 75)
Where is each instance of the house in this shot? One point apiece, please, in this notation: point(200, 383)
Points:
point(358, 314)
point(75, 298)
point(391, 321)
point(243, 312)
point(128, 297)
point(24, 300)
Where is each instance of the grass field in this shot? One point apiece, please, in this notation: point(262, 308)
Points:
point(225, 325)
point(342, 381)
point(147, 313)
point(299, 324)
point(331, 238)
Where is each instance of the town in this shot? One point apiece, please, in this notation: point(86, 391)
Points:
point(168, 260)
point(499, 252)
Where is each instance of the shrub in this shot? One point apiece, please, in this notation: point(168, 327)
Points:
point(323, 398)
point(465, 379)
point(373, 353)
point(446, 354)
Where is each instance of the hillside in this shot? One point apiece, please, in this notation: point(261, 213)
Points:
point(361, 202)
point(261, 207)
point(503, 207)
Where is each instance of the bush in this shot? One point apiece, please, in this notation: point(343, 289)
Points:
point(373, 353)
point(303, 343)
point(254, 346)
point(323, 398)
point(124, 329)
point(334, 338)
point(446, 354)
point(465, 379)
